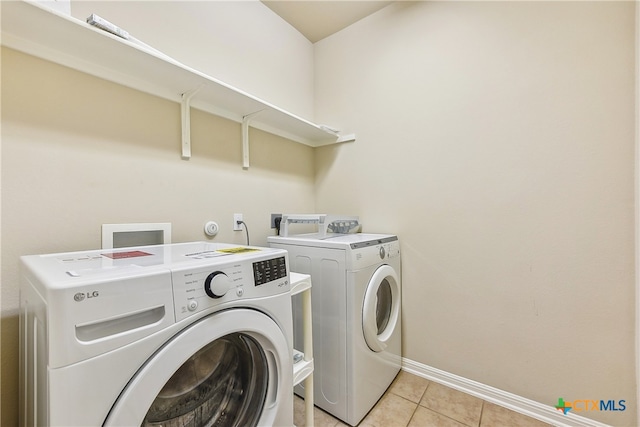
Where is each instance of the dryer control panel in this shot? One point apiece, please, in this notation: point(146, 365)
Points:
point(198, 289)
point(373, 252)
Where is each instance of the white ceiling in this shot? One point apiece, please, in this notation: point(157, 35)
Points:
point(317, 19)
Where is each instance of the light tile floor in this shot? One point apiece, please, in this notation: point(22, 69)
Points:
point(412, 401)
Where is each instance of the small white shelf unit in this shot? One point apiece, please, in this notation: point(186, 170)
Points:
point(48, 34)
point(303, 369)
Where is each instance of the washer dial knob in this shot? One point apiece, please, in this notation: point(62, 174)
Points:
point(217, 284)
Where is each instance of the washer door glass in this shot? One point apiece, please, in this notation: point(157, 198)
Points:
point(223, 384)
point(381, 308)
point(231, 368)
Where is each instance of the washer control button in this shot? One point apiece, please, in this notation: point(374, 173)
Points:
point(192, 305)
point(382, 252)
point(239, 292)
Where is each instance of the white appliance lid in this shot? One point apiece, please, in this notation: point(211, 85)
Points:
point(142, 259)
point(336, 241)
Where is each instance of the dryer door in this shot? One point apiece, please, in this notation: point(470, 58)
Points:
point(227, 369)
point(381, 308)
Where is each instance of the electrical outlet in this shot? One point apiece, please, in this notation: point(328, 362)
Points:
point(273, 219)
point(236, 218)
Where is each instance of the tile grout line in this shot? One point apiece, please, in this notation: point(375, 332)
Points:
point(478, 424)
point(414, 414)
point(419, 400)
point(410, 401)
point(481, 413)
point(418, 405)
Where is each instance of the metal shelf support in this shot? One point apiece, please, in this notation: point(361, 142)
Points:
point(185, 110)
point(245, 137)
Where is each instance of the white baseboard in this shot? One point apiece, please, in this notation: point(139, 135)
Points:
point(530, 408)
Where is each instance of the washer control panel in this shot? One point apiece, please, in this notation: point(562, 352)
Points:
point(197, 289)
point(269, 270)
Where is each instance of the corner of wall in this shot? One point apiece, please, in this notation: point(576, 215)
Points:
point(637, 208)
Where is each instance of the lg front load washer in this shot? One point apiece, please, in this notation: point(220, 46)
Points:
point(193, 334)
point(356, 305)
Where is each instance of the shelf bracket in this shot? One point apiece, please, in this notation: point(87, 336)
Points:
point(346, 138)
point(245, 137)
point(185, 110)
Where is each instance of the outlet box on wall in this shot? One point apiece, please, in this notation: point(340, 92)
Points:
point(273, 219)
point(237, 219)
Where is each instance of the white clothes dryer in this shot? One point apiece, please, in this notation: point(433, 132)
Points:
point(188, 334)
point(356, 305)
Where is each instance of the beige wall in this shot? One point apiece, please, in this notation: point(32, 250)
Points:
point(242, 43)
point(79, 152)
point(497, 140)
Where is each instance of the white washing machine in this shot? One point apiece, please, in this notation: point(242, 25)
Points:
point(188, 334)
point(356, 303)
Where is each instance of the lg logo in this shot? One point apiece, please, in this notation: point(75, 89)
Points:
point(81, 296)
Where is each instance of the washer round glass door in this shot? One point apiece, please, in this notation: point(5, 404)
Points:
point(209, 375)
point(381, 308)
point(219, 385)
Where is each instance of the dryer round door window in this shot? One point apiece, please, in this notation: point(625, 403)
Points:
point(223, 370)
point(381, 308)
